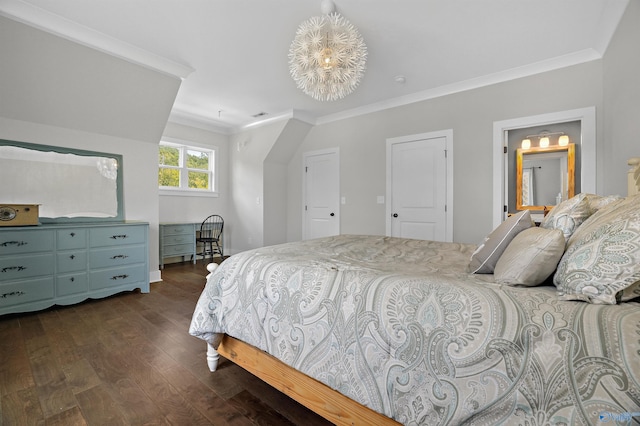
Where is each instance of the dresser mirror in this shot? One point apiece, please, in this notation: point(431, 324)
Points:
point(544, 176)
point(69, 185)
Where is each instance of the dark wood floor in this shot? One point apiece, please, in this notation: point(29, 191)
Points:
point(129, 360)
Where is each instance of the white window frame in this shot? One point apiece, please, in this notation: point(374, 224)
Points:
point(183, 146)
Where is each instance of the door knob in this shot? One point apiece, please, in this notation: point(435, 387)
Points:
point(395, 215)
point(332, 214)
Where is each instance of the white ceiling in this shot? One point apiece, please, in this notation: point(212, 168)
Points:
point(232, 54)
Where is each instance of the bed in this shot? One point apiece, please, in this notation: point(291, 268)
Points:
point(536, 325)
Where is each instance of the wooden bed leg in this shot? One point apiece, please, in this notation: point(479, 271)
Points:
point(212, 357)
point(211, 267)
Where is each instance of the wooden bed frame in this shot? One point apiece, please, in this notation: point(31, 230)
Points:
point(309, 392)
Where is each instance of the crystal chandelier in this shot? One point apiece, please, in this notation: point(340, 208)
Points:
point(327, 57)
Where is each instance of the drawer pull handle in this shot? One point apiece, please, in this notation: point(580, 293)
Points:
point(73, 256)
point(72, 279)
point(119, 256)
point(13, 293)
point(122, 236)
point(12, 268)
point(119, 277)
point(73, 234)
point(14, 243)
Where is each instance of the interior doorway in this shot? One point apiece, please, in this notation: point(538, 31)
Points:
point(419, 186)
point(501, 130)
point(321, 197)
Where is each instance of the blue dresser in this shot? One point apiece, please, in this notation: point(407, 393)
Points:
point(46, 265)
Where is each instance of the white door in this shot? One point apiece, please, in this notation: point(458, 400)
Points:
point(321, 194)
point(418, 189)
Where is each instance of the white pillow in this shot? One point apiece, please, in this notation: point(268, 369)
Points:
point(484, 259)
point(531, 257)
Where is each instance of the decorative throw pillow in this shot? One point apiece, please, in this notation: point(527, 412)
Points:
point(484, 259)
point(568, 215)
point(531, 257)
point(603, 256)
point(598, 201)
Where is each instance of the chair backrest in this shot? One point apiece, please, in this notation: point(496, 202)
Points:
point(211, 227)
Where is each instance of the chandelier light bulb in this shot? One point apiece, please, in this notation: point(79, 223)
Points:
point(327, 57)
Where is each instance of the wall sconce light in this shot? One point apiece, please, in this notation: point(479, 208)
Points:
point(543, 139)
point(544, 142)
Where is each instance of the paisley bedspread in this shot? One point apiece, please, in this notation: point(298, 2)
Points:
point(400, 326)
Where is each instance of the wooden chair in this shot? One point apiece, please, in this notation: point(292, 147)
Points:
point(210, 236)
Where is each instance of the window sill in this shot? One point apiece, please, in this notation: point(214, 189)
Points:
point(186, 193)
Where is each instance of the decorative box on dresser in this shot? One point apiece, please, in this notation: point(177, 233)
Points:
point(62, 264)
point(177, 239)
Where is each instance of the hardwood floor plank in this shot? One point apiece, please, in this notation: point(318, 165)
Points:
point(214, 408)
point(128, 359)
point(21, 408)
point(98, 408)
point(70, 417)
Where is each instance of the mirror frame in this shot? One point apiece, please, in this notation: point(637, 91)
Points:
point(63, 150)
point(571, 155)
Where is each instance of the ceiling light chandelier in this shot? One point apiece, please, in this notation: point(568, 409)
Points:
point(327, 56)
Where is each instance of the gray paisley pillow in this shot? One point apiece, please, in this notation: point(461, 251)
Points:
point(602, 258)
point(568, 215)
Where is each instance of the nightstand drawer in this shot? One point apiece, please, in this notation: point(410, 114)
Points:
point(72, 284)
point(71, 239)
point(20, 267)
point(26, 291)
point(116, 236)
point(29, 241)
point(127, 255)
point(117, 276)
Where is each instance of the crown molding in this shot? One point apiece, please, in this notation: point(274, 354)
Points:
point(54, 24)
point(575, 58)
point(199, 122)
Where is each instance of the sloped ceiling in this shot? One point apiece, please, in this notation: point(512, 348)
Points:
point(232, 55)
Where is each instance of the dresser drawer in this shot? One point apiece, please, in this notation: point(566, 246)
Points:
point(72, 284)
point(111, 257)
point(177, 229)
point(117, 236)
point(117, 276)
point(71, 261)
point(25, 241)
point(20, 267)
point(26, 291)
point(71, 239)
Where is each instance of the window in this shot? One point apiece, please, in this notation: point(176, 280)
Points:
point(186, 168)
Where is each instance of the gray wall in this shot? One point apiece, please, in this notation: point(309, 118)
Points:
point(362, 144)
point(621, 103)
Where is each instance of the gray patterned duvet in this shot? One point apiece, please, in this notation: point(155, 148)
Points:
point(400, 326)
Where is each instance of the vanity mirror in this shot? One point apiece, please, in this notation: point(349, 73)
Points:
point(544, 176)
point(69, 185)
